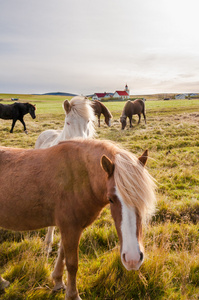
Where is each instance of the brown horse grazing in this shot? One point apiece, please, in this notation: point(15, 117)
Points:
point(99, 108)
point(136, 107)
point(60, 186)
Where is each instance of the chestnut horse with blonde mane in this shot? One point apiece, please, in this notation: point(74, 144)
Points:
point(60, 186)
point(79, 122)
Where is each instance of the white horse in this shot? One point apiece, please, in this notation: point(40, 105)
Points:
point(79, 122)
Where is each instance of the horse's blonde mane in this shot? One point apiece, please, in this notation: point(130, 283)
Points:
point(134, 183)
point(80, 107)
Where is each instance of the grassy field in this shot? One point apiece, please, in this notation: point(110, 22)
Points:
point(171, 239)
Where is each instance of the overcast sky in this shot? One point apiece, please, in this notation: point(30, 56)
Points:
point(88, 46)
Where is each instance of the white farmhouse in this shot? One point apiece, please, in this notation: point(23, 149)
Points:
point(122, 94)
point(100, 96)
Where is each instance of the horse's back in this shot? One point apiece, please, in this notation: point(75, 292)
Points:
point(6, 111)
point(35, 182)
point(23, 176)
point(135, 107)
point(46, 138)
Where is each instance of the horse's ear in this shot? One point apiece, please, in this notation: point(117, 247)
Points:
point(143, 158)
point(67, 106)
point(107, 165)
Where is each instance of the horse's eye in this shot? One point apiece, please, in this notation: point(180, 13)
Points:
point(110, 200)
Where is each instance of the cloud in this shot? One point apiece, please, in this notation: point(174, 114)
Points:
point(88, 46)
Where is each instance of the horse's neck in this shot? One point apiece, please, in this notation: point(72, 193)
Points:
point(127, 108)
point(24, 108)
point(104, 111)
point(69, 131)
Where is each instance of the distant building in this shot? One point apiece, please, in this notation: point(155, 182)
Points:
point(100, 96)
point(194, 95)
point(121, 94)
point(181, 96)
point(117, 95)
point(127, 89)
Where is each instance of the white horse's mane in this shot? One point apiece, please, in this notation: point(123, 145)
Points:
point(81, 112)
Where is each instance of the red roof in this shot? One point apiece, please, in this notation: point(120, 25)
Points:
point(122, 93)
point(100, 95)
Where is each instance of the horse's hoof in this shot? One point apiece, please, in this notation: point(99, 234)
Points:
point(4, 284)
point(59, 286)
point(76, 297)
point(26, 132)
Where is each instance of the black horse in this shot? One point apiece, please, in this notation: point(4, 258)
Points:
point(16, 111)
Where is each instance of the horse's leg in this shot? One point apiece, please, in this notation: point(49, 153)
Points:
point(98, 120)
point(130, 120)
point(49, 238)
point(3, 283)
point(24, 125)
point(13, 124)
point(70, 242)
point(144, 117)
point(58, 271)
point(139, 115)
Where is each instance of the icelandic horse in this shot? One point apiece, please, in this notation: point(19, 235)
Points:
point(136, 107)
point(60, 186)
point(17, 111)
point(100, 108)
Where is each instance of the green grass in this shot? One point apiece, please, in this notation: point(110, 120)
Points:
point(171, 239)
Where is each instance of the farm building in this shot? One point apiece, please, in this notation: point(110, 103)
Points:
point(121, 94)
point(99, 96)
point(118, 94)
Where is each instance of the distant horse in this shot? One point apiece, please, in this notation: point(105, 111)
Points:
point(60, 186)
point(16, 111)
point(136, 107)
point(79, 122)
point(100, 108)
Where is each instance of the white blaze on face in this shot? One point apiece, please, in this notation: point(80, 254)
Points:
point(130, 251)
point(109, 122)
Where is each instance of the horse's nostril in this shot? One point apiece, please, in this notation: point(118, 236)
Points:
point(141, 256)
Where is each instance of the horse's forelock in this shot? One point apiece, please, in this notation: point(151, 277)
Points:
point(82, 113)
point(81, 106)
point(134, 183)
